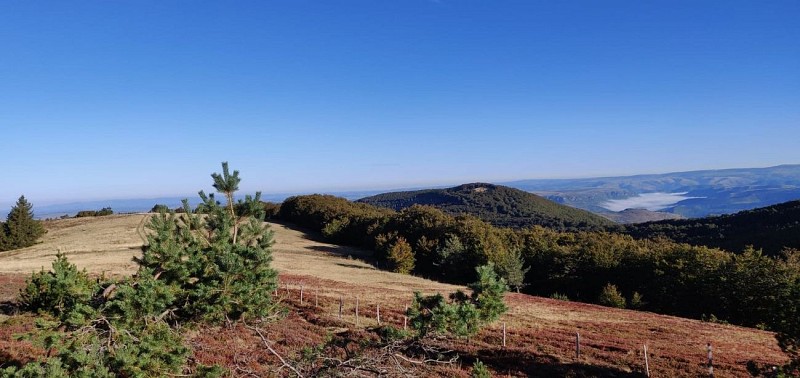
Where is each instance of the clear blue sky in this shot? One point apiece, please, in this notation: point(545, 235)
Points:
point(127, 99)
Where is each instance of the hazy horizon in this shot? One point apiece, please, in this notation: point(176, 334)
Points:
point(653, 201)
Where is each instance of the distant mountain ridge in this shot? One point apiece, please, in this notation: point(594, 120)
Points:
point(714, 192)
point(770, 228)
point(496, 204)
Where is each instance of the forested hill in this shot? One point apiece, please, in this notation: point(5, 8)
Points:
point(499, 205)
point(769, 228)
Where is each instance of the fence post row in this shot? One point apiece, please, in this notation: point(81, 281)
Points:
point(710, 349)
point(710, 360)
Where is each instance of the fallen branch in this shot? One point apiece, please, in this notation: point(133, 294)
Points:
point(266, 344)
point(426, 361)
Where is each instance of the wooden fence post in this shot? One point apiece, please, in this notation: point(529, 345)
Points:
point(341, 306)
point(578, 346)
point(301, 294)
point(504, 334)
point(378, 313)
point(646, 362)
point(710, 360)
point(316, 297)
point(356, 311)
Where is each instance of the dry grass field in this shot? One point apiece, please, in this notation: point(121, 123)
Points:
point(541, 331)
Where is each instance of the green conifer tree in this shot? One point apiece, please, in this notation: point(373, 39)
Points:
point(191, 270)
point(223, 271)
point(511, 266)
point(465, 314)
point(20, 229)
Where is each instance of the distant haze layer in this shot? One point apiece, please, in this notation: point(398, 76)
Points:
point(649, 201)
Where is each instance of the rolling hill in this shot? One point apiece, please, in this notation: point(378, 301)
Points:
point(499, 205)
point(540, 331)
point(690, 194)
point(768, 228)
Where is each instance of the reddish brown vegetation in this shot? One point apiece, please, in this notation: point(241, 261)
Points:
point(540, 337)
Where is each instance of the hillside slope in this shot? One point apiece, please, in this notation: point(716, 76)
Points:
point(707, 192)
point(540, 331)
point(499, 205)
point(770, 228)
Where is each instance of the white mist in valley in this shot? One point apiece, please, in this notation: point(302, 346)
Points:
point(649, 201)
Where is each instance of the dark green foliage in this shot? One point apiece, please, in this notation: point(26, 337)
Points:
point(674, 278)
point(219, 262)
point(770, 229)
point(20, 230)
point(463, 315)
point(560, 297)
point(487, 293)
point(788, 327)
point(92, 213)
point(499, 205)
point(346, 222)
point(212, 267)
point(511, 266)
point(271, 210)
point(401, 257)
point(4, 244)
point(611, 297)
point(637, 301)
point(64, 292)
point(479, 370)
point(159, 208)
point(104, 211)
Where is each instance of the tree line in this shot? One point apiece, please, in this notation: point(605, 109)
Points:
point(660, 275)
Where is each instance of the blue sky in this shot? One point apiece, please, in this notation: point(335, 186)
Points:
point(126, 99)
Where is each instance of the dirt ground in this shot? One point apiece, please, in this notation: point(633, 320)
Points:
point(328, 273)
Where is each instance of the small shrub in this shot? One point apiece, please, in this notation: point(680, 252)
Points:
point(636, 301)
point(560, 297)
point(479, 370)
point(389, 333)
point(712, 319)
point(463, 315)
point(611, 297)
point(65, 292)
point(103, 212)
point(159, 208)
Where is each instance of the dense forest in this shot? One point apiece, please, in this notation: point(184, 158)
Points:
point(770, 229)
point(660, 275)
point(499, 205)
